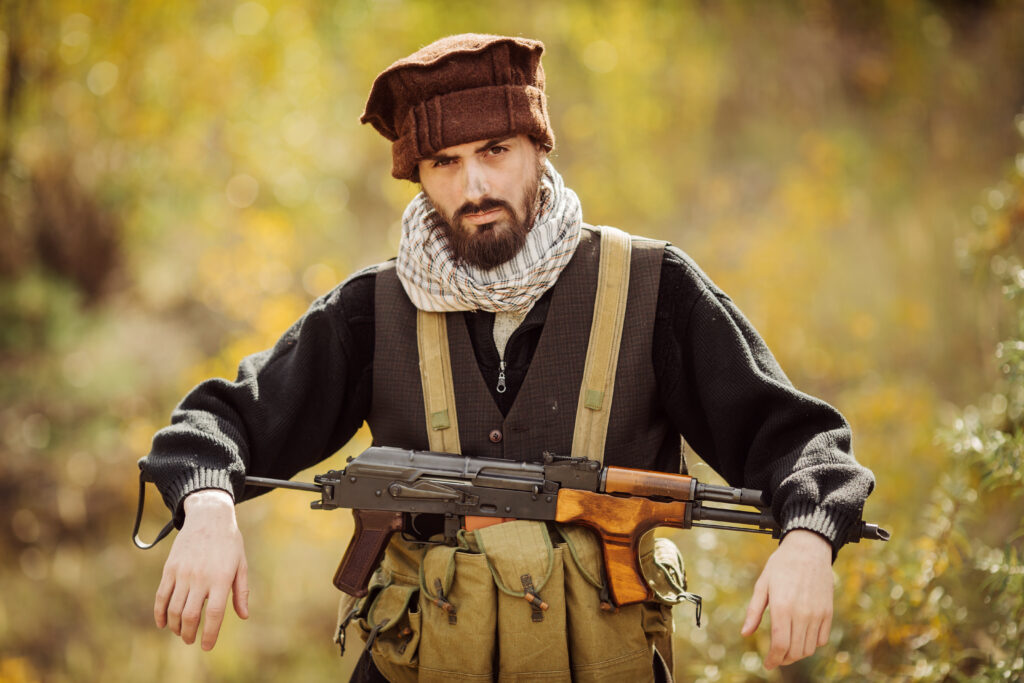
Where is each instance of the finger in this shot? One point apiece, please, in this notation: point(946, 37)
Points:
point(755, 610)
point(811, 637)
point(825, 631)
point(798, 640)
point(163, 598)
point(781, 638)
point(216, 606)
point(240, 591)
point(191, 615)
point(175, 607)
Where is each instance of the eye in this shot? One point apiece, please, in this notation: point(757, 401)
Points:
point(441, 163)
point(496, 150)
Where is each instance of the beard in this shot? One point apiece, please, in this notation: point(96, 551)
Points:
point(491, 244)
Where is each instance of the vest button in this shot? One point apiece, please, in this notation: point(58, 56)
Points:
point(495, 435)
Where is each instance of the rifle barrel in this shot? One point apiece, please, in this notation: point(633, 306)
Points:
point(282, 484)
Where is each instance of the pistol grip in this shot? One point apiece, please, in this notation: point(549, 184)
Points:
point(366, 549)
point(620, 522)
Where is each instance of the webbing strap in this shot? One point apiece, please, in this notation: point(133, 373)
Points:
point(594, 407)
point(436, 378)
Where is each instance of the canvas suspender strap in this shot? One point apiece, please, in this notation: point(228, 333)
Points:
point(594, 407)
point(595, 400)
point(436, 377)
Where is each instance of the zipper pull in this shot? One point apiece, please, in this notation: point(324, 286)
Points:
point(501, 377)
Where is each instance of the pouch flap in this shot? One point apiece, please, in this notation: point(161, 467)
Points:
point(517, 549)
point(438, 566)
point(586, 552)
point(390, 604)
point(402, 560)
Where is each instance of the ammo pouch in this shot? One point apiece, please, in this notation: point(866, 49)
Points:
point(509, 603)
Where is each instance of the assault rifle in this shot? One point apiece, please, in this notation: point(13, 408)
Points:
point(386, 488)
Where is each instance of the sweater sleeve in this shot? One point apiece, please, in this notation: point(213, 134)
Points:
point(289, 407)
point(734, 405)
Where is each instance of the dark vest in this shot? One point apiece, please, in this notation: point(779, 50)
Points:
point(543, 414)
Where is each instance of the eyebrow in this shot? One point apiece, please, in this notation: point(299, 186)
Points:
point(491, 143)
point(482, 148)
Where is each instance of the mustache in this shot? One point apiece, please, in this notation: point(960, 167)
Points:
point(482, 206)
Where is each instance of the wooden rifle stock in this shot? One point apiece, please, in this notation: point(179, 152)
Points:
point(620, 522)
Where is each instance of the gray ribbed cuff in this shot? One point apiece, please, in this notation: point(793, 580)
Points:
point(192, 481)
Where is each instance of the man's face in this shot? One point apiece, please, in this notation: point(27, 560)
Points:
point(486, 192)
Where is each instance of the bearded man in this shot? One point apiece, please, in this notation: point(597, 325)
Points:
point(495, 248)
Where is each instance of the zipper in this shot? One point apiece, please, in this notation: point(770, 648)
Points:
point(501, 377)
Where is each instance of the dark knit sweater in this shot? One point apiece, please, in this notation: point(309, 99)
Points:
point(295, 404)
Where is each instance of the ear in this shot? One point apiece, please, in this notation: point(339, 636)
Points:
point(542, 150)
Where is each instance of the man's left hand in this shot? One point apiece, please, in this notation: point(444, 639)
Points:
point(797, 585)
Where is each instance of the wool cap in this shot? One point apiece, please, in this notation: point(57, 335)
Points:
point(456, 90)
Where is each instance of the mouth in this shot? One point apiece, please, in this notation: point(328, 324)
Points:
point(484, 217)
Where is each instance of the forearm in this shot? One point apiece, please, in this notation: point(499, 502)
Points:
point(288, 408)
point(734, 405)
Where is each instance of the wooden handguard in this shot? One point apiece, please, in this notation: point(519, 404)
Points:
point(366, 549)
point(620, 522)
point(648, 484)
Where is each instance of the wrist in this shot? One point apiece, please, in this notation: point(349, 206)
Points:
point(209, 500)
point(807, 541)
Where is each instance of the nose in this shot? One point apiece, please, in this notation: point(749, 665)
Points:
point(477, 185)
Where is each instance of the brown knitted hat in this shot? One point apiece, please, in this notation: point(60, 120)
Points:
point(457, 90)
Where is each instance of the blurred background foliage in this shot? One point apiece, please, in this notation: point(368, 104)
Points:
point(179, 180)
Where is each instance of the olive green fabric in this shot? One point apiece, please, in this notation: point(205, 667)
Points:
point(436, 379)
point(606, 645)
point(459, 649)
point(593, 409)
point(392, 607)
point(444, 613)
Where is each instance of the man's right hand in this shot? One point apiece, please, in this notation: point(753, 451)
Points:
point(206, 561)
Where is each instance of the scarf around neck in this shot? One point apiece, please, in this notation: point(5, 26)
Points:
point(436, 281)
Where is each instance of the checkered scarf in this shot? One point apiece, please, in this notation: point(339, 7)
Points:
point(436, 281)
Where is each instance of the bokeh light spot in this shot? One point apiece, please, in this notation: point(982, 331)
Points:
point(81, 468)
point(33, 564)
point(242, 190)
point(318, 279)
point(77, 368)
point(331, 195)
point(600, 56)
point(74, 46)
point(250, 18)
point(102, 78)
point(35, 430)
point(291, 188)
point(579, 122)
point(936, 30)
point(299, 128)
point(25, 525)
point(274, 277)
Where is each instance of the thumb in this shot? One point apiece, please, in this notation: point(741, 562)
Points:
point(755, 610)
point(240, 591)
